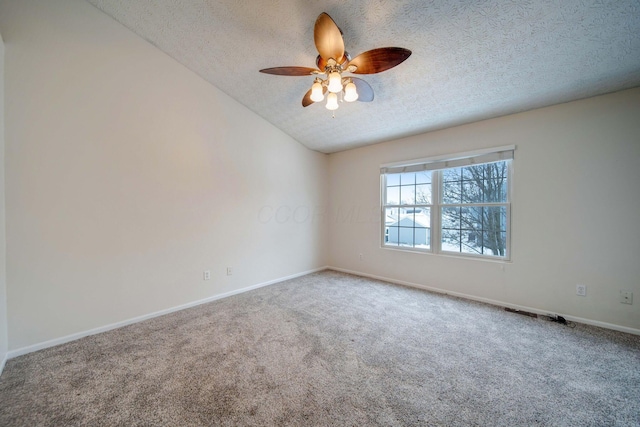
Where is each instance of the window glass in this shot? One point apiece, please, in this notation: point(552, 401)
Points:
point(471, 214)
point(393, 179)
point(408, 223)
point(408, 194)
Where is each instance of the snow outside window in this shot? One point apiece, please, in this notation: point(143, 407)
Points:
point(432, 207)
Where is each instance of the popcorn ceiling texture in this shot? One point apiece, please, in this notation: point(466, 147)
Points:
point(471, 60)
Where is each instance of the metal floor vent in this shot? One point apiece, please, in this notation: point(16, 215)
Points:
point(524, 313)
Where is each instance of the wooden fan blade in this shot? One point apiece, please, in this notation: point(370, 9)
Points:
point(306, 99)
point(289, 71)
point(378, 60)
point(365, 91)
point(328, 38)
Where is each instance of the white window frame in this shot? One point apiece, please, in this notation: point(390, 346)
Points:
point(436, 165)
point(401, 206)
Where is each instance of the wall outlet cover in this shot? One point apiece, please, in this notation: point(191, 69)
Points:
point(581, 290)
point(626, 297)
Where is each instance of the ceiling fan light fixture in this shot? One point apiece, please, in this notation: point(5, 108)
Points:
point(335, 82)
point(328, 76)
point(316, 91)
point(350, 92)
point(332, 101)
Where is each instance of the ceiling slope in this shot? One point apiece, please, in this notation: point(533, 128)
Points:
point(471, 60)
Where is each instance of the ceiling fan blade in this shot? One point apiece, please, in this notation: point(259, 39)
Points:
point(365, 91)
point(378, 60)
point(306, 100)
point(289, 71)
point(328, 38)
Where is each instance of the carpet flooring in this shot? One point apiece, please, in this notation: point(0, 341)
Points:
point(331, 349)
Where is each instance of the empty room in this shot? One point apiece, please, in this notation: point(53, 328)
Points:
point(385, 213)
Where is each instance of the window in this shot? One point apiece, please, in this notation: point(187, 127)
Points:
point(407, 210)
point(454, 204)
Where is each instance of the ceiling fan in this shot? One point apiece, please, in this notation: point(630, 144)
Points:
point(333, 61)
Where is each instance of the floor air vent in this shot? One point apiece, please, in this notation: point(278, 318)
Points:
point(524, 313)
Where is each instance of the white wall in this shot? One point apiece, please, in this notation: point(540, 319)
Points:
point(127, 176)
point(575, 212)
point(3, 254)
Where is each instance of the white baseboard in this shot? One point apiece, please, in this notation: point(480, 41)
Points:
point(62, 340)
point(605, 325)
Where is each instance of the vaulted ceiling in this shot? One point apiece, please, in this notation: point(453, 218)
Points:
point(471, 60)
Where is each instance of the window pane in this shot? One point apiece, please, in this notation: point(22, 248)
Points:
point(393, 179)
point(422, 238)
point(471, 238)
point(406, 217)
point(423, 194)
point(451, 218)
point(497, 248)
point(405, 238)
point(451, 240)
point(495, 190)
point(473, 173)
point(482, 184)
point(471, 218)
point(391, 216)
point(473, 224)
point(391, 237)
point(423, 177)
point(495, 170)
point(407, 227)
point(408, 194)
point(472, 192)
point(451, 175)
point(451, 192)
point(407, 178)
point(393, 195)
point(475, 230)
point(423, 218)
point(471, 242)
point(495, 218)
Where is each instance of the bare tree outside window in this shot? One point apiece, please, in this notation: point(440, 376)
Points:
point(473, 219)
point(456, 205)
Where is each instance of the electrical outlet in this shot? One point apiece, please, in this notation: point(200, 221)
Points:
point(581, 290)
point(206, 275)
point(626, 297)
point(361, 258)
point(229, 271)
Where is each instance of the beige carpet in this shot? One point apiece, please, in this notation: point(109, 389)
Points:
point(331, 349)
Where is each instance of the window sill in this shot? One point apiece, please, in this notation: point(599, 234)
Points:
point(448, 254)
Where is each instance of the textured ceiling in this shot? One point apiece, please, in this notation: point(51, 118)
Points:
point(471, 60)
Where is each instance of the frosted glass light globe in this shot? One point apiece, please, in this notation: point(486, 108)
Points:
point(350, 93)
point(335, 82)
point(316, 92)
point(332, 101)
